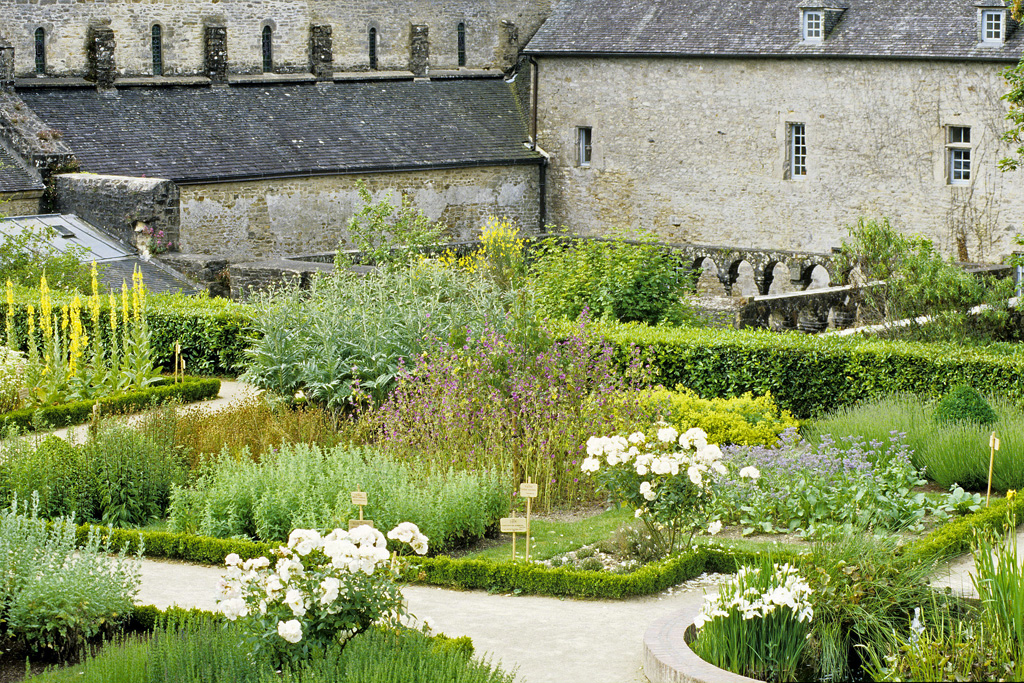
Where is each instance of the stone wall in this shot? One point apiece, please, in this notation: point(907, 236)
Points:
point(116, 204)
point(268, 218)
point(695, 149)
point(20, 204)
point(182, 23)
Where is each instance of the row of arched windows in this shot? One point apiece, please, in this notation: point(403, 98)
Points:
point(267, 43)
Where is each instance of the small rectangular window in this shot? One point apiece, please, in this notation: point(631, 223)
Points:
point(992, 27)
point(814, 29)
point(958, 152)
point(583, 146)
point(797, 157)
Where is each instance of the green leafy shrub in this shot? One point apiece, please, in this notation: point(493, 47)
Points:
point(810, 375)
point(304, 486)
point(12, 378)
point(964, 404)
point(951, 454)
point(743, 420)
point(52, 469)
point(343, 340)
point(27, 253)
point(611, 278)
point(53, 596)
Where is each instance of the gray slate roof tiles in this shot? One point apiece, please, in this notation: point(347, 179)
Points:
point(195, 134)
point(13, 176)
point(937, 29)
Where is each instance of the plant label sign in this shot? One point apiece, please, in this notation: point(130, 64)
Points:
point(527, 490)
point(359, 498)
point(353, 523)
point(513, 525)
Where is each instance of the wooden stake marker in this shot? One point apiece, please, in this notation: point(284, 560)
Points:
point(359, 498)
point(993, 445)
point(521, 525)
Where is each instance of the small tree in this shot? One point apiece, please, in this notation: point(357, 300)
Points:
point(387, 235)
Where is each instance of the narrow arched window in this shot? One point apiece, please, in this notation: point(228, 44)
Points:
point(268, 49)
point(40, 51)
point(462, 44)
point(373, 48)
point(158, 50)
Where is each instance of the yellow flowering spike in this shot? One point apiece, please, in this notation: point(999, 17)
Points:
point(124, 301)
point(45, 308)
point(1011, 494)
point(113, 313)
point(10, 314)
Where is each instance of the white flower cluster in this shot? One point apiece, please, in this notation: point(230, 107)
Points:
point(785, 588)
point(310, 574)
point(694, 455)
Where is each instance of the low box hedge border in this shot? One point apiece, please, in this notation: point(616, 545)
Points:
point(948, 540)
point(189, 390)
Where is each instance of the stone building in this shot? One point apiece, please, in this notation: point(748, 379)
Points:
point(776, 123)
point(241, 129)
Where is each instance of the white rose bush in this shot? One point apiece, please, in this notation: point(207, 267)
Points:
point(757, 625)
point(667, 477)
point(317, 590)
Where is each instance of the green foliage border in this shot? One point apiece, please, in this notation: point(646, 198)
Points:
point(189, 390)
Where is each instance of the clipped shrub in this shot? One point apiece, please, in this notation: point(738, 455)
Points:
point(304, 486)
point(743, 420)
point(810, 375)
point(964, 404)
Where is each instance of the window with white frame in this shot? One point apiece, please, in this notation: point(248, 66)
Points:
point(992, 26)
point(583, 145)
point(958, 155)
point(796, 156)
point(814, 26)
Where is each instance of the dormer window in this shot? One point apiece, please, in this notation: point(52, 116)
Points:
point(993, 26)
point(814, 26)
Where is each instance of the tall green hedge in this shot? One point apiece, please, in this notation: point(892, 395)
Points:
point(214, 333)
point(810, 375)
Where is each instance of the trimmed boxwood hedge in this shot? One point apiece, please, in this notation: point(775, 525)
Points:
point(811, 375)
point(189, 390)
point(954, 538)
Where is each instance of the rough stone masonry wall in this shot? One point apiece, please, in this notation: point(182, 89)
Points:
point(20, 204)
point(695, 150)
point(288, 217)
point(116, 203)
point(182, 21)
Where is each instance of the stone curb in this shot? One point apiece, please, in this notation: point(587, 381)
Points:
point(668, 659)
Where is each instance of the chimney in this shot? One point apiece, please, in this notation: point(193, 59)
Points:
point(321, 51)
point(100, 56)
point(6, 66)
point(215, 51)
point(508, 46)
point(419, 50)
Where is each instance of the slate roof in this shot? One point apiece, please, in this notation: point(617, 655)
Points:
point(933, 29)
point(116, 261)
point(197, 134)
point(13, 176)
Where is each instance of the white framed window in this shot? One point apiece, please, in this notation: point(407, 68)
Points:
point(993, 26)
point(958, 155)
point(814, 26)
point(583, 145)
point(796, 154)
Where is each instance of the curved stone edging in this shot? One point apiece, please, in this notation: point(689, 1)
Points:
point(668, 659)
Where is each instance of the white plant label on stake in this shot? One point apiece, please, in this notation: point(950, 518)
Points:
point(359, 498)
point(993, 445)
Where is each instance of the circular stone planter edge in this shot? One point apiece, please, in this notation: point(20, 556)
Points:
point(668, 659)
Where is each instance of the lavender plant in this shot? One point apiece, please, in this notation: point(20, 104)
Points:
point(797, 487)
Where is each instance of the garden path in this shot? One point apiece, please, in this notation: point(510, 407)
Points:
point(548, 640)
point(957, 574)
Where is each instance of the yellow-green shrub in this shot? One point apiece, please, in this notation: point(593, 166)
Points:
point(745, 420)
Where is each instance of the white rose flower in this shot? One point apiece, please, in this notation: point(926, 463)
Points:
point(234, 608)
point(293, 598)
point(329, 588)
point(714, 527)
point(595, 446)
point(637, 437)
point(591, 465)
point(693, 472)
point(720, 468)
point(694, 437)
point(749, 472)
point(667, 434)
point(641, 469)
point(304, 541)
point(232, 560)
point(290, 630)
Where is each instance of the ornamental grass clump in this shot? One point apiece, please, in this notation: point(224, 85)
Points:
point(318, 591)
point(797, 487)
point(757, 625)
point(668, 478)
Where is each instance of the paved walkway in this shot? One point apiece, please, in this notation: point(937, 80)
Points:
point(547, 639)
